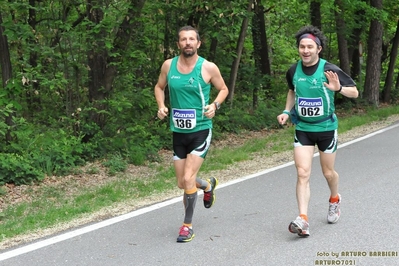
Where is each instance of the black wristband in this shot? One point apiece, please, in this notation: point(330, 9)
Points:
point(340, 88)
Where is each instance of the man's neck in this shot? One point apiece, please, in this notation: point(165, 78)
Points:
point(187, 63)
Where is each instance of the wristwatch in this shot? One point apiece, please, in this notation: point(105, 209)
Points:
point(217, 104)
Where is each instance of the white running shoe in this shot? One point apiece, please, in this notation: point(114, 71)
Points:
point(334, 211)
point(299, 226)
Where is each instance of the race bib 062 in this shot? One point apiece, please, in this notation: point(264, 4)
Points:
point(310, 107)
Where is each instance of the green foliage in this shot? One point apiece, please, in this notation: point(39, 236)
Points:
point(63, 117)
point(244, 118)
point(55, 152)
point(17, 169)
point(115, 164)
point(57, 156)
point(4, 112)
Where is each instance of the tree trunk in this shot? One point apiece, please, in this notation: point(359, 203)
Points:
point(315, 14)
point(374, 53)
point(97, 55)
point(354, 42)
point(5, 60)
point(167, 42)
point(6, 73)
point(386, 93)
point(261, 52)
point(33, 101)
point(212, 49)
point(341, 36)
point(236, 63)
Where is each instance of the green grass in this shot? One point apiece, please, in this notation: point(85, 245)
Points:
point(54, 206)
point(373, 114)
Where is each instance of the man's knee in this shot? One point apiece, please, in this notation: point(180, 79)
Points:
point(330, 174)
point(303, 173)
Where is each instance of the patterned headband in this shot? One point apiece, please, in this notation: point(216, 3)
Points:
point(310, 36)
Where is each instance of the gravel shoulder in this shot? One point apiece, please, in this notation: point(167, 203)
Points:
point(257, 163)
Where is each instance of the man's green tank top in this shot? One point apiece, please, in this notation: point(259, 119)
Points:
point(189, 94)
point(314, 103)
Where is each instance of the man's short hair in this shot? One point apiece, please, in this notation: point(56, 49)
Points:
point(187, 28)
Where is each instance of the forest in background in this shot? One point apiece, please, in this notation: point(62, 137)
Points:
point(78, 75)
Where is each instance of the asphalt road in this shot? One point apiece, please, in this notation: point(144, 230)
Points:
point(248, 223)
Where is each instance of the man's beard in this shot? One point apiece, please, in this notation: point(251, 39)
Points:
point(188, 54)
